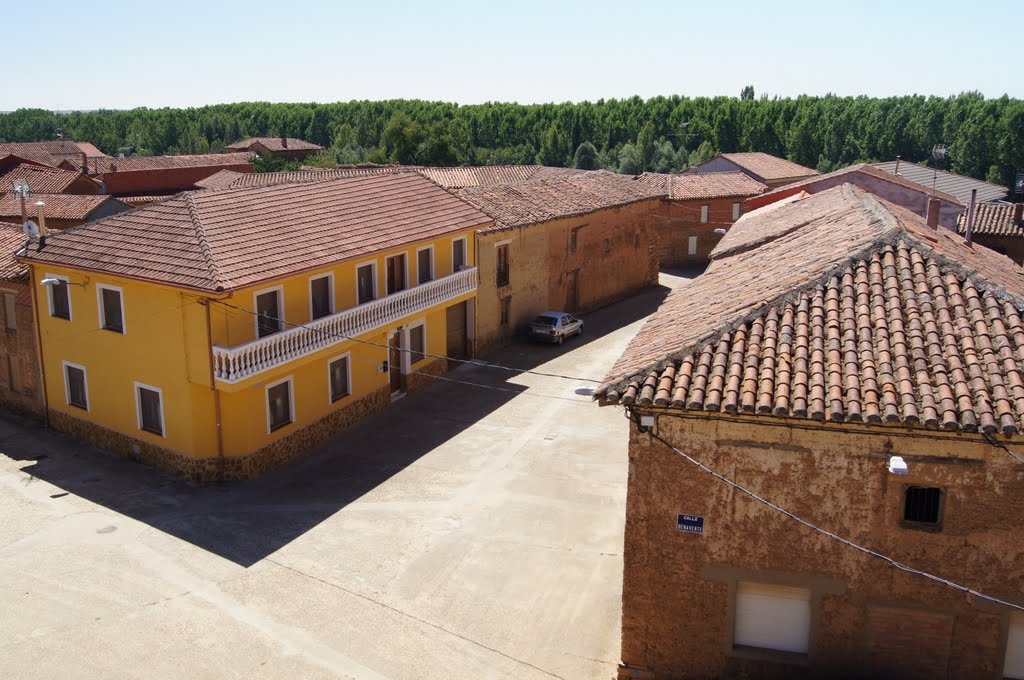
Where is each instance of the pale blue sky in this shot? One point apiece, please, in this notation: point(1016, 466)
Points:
point(122, 54)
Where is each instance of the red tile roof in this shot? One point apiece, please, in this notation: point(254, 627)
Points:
point(469, 176)
point(90, 150)
point(767, 167)
point(274, 144)
point(51, 152)
point(516, 205)
point(231, 238)
point(228, 179)
point(860, 314)
point(58, 206)
point(12, 238)
point(100, 166)
point(43, 180)
point(992, 219)
point(702, 186)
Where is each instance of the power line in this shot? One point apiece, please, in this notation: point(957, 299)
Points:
point(342, 336)
point(995, 442)
point(501, 389)
point(829, 534)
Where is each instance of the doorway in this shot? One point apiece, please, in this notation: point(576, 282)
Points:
point(572, 291)
point(395, 375)
point(456, 329)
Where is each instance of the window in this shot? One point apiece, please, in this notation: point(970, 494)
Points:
point(11, 312)
point(366, 282)
point(735, 211)
point(269, 312)
point(76, 389)
point(425, 264)
point(280, 409)
point(111, 303)
point(607, 246)
point(506, 310)
point(397, 279)
point(59, 297)
point(922, 507)
point(321, 296)
point(574, 239)
point(458, 254)
point(149, 408)
point(13, 373)
point(503, 263)
point(772, 617)
point(691, 246)
point(636, 240)
point(1013, 664)
point(417, 343)
point(703, 214)
point(337, 374)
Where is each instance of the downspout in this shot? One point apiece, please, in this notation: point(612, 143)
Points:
point(39, 345)
point(216, 394)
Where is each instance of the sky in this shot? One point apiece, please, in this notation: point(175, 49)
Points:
point(120, 54)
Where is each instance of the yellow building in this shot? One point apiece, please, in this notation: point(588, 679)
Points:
point(218, 333)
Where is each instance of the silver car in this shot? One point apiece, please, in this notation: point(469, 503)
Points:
point(555, 326)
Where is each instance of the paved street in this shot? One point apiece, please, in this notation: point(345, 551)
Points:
point(463, 533)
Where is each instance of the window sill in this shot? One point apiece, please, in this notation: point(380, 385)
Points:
point(119, 331)
point(340, 397)
point(80, 406)
point(279, 426)
point(152, 431)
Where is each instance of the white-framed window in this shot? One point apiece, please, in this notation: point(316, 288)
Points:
point(110, 302)
point(280, 404)
point(76, 385)
point(397, 269)
point(703, 214)
point(772, 617)
point(269, 304)
point(417, 341)
point(59, 297)
point(735, 211)
point(424, 264)
point(149, 408)
point(1013, 662)
point(366, 282)
point(11, 311)
point(339, 378)
point(321, 296)
point(691, 246)
point(458, 253)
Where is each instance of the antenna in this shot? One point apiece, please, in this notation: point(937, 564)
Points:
point(21, 188)
point(939, 153)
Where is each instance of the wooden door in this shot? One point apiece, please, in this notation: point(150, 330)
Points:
point(572, 292)
point(395, 363)
point(456, 326)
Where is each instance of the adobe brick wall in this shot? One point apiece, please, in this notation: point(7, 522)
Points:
point(163, 180)
point(21, 344)
point(678, 587)
point(677, 221)
point(1011, 246)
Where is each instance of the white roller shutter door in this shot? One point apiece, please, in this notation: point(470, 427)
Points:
point(1013, 667)
point(773, 617)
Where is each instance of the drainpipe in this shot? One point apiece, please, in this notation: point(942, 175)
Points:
point(39, 344)
point(216, 394)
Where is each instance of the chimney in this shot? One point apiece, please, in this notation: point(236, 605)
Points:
point(1018, 217)
point(933, 212)
point(284, 142)
point(897, 171)
point(969, 231)
point(41, 216)
point(85, 163)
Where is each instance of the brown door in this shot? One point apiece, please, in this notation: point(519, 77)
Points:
point(456, 324)
point(572, 292)
point(395, 363)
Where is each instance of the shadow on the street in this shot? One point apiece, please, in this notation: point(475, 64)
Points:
point(246, 521)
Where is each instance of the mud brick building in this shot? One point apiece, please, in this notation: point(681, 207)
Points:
point(60, 211)
point(763, 167)
point(998, 226)
point(828, 336)
point(288, 148)
point(19, 367)
point(45, 180)
point(146, 175)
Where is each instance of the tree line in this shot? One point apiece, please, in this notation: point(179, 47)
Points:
point(985, 137)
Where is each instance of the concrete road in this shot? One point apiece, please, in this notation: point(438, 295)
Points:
point(463, 533)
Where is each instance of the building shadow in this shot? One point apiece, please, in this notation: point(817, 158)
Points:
point(246, 521)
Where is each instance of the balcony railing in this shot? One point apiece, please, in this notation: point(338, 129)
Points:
point(232, 364)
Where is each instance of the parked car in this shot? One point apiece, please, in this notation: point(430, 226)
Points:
point(555, 326)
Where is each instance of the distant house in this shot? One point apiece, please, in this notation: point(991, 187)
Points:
point(947, 182)
point(47, 180)
point(19, 367)
point(60, 211)
point(695, 208)
point(894, 188)
point(148, 175)
point(998, 226)
point(53, 152)
point(860, 370)
point(763, 167)
point(287, 148)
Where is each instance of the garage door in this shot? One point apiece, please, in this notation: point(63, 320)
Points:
point(456, 325)
point(773, 617)
point(1014, 665)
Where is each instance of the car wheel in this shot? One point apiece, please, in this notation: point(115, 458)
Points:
point(579, 331)
point(561, 339)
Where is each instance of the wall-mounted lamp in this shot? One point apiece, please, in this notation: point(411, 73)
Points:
point(50, 281)
point(897, 465)
point(720, 232)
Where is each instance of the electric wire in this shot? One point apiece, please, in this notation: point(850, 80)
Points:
point(825, 532)
point(995, 442)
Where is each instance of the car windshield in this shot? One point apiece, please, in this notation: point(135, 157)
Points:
point(546, 320)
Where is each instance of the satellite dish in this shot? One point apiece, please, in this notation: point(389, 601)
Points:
point(940, 152)
point(31, 229)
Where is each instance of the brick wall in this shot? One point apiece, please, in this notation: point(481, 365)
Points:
point(20, 389)
point(678, 221)
point(678, 588)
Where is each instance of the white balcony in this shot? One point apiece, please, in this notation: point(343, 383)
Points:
point(233, 364)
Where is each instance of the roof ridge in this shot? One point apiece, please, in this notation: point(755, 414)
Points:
point(204, 244)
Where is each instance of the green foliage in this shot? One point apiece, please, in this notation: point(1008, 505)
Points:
point(630, 162)
point(324, 159)
point(586, 157)
point(747, 93)
point(645, 145)
point(704, 152)
point(401, 139)
point(272, 164)
point(554, 148)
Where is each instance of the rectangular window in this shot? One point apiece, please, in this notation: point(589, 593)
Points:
point(280, 409)
point(735, 211)
point(396, 273)
point(366, 282)
point(458, 254)
point(149, 408)
point(574, 239)
point(417, 343)
point(59, 297)
point(503, 265)
point(1013, 664)
point(922, 507)
point(506, 310)
point(321, 296)
point(76, 388)
point(13, 373)
point(772, 617)
point(691, 246)
point(607, 246)
point(703, 214)
point(111, 308)
point(11, 312)
point(268, 313)
point(425, 265)
point(337, 373)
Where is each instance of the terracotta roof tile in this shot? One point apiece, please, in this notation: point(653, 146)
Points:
point(992, 219)
point(101, 166)
point(229, 179)
point(58, 206)
point(702, 186)
point(860, 314)
point(232, 238)
point(51, 152)
point(465, 177)
point(274, 144)
point(821, 182)
point(768, 167)
point(42, 180)
point(90, 150)
point(12, 238)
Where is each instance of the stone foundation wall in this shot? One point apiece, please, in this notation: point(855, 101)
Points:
point(421, 378)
